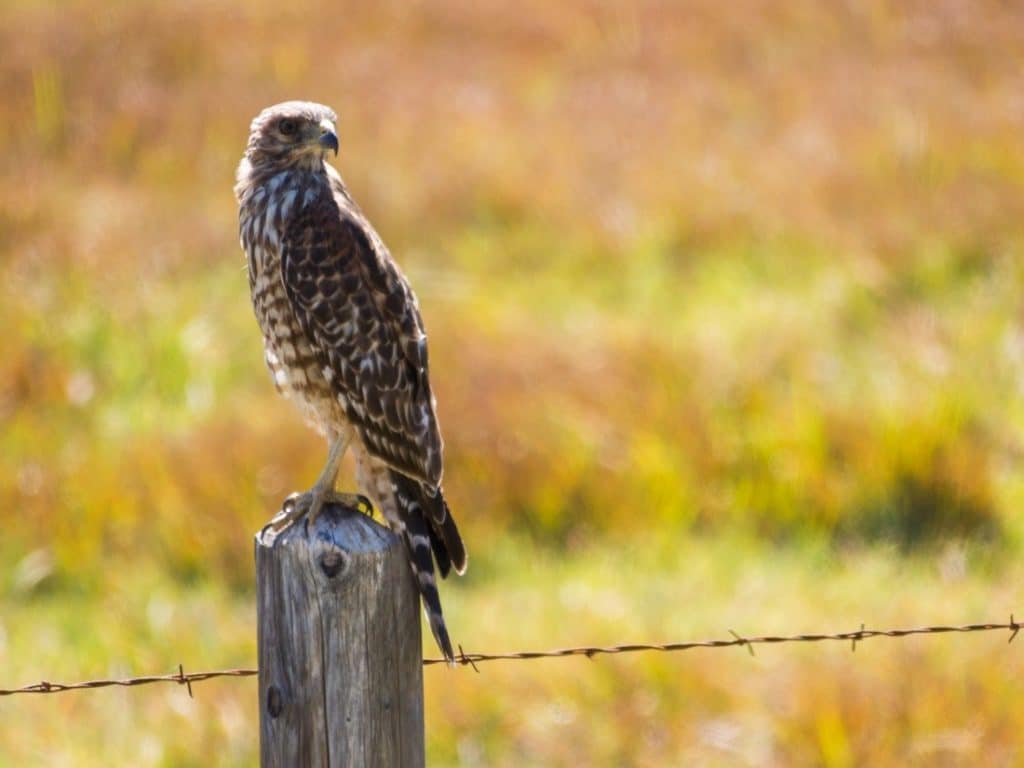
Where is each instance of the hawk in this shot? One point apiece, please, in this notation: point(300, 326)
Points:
point(344, 339)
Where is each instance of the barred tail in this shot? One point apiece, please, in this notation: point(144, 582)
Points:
point(430, 534)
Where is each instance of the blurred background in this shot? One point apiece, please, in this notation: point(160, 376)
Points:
point(725, 304)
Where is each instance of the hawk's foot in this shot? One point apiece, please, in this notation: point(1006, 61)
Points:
point(355, 501)
point(310, 504)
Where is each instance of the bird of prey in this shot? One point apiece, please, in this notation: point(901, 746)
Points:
point(344, 339)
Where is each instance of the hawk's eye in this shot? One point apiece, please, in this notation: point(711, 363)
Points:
point(288, 126)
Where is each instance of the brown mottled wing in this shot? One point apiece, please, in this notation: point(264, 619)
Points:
point(362, 316)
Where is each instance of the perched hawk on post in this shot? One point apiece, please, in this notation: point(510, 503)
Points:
point(344, 338)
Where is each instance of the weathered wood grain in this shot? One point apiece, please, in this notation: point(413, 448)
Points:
point(340, 664)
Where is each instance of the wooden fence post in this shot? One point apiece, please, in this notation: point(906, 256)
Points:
point(340, 656)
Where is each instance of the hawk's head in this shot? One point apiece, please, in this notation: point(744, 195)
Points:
point(292, 134)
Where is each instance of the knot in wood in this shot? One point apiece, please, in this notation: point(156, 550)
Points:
point(333, 562)
point(275, 702)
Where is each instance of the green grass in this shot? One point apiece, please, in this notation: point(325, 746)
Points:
point(889, 702)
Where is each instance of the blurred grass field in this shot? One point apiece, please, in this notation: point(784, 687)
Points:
point(726, 308)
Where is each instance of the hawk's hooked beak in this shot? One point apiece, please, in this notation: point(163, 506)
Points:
point(328, 138)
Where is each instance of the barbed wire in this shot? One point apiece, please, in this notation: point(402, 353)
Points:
point(181, 678)
point(472, 659)
point(854, 637)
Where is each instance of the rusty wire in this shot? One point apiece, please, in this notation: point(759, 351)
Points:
point(472, 659)
point(853, 637)
point(181, 678)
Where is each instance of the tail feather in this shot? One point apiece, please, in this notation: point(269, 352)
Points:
point(444, 531)
point(417, 539)
point(441, 556)
point(430, 533)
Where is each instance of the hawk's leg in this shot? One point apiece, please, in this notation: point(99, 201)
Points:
point(311, 503)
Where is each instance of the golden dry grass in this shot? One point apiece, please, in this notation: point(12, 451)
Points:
point(738, 273)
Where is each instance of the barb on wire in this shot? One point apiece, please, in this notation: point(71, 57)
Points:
point(742, 641)
point(472, 659)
